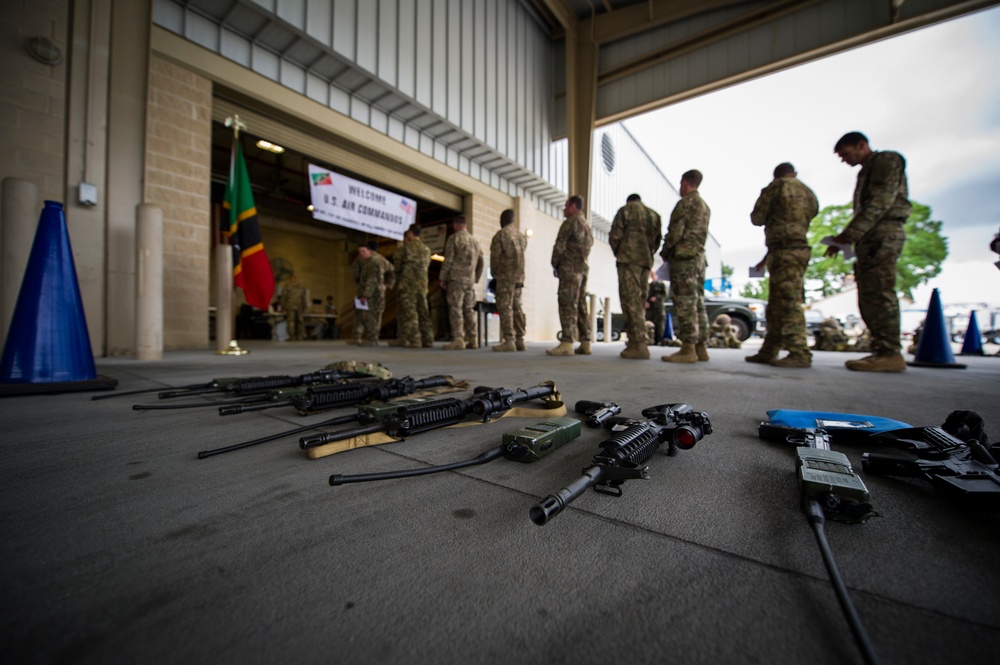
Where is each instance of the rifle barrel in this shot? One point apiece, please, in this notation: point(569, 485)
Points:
point(307, 442)
point(552, 505)
point(339, 420)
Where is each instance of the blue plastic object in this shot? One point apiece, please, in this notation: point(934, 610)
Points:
point(668, 332)
point(48, 340)
point(972, 345)
point(833, 422)
point(935, 345)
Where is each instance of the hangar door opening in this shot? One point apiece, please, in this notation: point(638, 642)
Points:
point(317, 252)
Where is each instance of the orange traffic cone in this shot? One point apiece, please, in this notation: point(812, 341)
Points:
point(47, 349)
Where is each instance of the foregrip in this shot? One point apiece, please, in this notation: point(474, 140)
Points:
point(261, 384)
point(553, 504)
point(416, 418)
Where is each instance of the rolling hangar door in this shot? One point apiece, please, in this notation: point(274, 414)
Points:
point(319, 253)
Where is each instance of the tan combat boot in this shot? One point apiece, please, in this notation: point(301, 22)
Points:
point(635, 351)
point(687, 354)
point(395, 342)
point(505, 345)
point(760, 357)
point(583, 349)
point(795, 360)
point(564, 349)
point(519, 344)
point(701, 351)
point(456, 344)
point(879, 362)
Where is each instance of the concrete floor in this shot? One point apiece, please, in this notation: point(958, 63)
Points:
point(119, 545)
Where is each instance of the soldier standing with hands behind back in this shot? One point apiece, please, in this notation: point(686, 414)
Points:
point(684, 250)
point(784, 209)
point(876, 230)
point(569, 262)
point(462, 268)
point(634, 237)
point(507, 264)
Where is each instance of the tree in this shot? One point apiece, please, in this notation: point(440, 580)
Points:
point(759, 288)
point(727, 270)
point(924, 252)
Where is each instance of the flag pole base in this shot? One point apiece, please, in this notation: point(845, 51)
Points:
point(233, 349)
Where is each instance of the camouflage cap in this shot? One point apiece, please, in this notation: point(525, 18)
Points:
point(372, 368)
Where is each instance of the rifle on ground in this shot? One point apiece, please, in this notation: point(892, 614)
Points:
point(410, 419)
point(371, 392)
point(621, 456)
point(597, 413)
point(963, 472)
point(325, 397)
point(253, 389)
point(526, 444)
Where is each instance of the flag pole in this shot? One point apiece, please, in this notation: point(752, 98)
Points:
point(226, 295)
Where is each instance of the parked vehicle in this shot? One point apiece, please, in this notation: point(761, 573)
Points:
point(748, 316)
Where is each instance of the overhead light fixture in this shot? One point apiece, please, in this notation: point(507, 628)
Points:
point(310, 207)
point(437, 257)
point(529, 233)
point(272, 147)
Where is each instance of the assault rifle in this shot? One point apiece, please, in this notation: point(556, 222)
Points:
point(251, 389)
point(370, 392)
point(963, 472)
point(334, 396)
point(410, 419)
point(597, 413)
point(526, 444)
point(622, 456)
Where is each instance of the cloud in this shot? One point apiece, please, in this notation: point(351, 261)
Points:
point(933, 95)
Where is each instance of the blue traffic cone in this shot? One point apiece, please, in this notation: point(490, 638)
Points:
point(935, 346)
point(668, 331)
point(47, 348)
point(972, 345)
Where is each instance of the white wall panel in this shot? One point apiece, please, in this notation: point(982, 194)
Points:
point(406, 53)
point(236, 48)
point(293, 11)
point(387, 40)
point(366, 40)
point(265, 63)
point(319, 21)
point(344, 27)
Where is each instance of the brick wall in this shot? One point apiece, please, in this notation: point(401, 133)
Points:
point(33, 104)
point(177, 179)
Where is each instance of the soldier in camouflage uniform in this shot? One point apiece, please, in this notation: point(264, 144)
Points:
point(293, 303)
point(656, 298)
point(876, 230)
point(462, 268)
point(684, 250)
point(507, 264)
point(634, 238)
point(569, 261)
point(784, 208)
point(376, 276)
point(412, 259)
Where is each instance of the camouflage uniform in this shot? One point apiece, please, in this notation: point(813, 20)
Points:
point(656, 312)
point(830, 336)
point(412, 259)
point(569, 258)
point(377, 275)
point(507, 264)
point(359, 326)
point(684, 250)
point(722, 335)
point(784, 209)
point(462, 268)
point(293, 302)
point(634, 238)
point(876, 230)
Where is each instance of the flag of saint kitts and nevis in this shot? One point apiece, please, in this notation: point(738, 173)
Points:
point(251, 268)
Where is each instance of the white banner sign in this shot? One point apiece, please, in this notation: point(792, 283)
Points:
point(357, 205)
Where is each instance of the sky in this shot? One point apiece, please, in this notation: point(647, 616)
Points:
point(932, 95)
